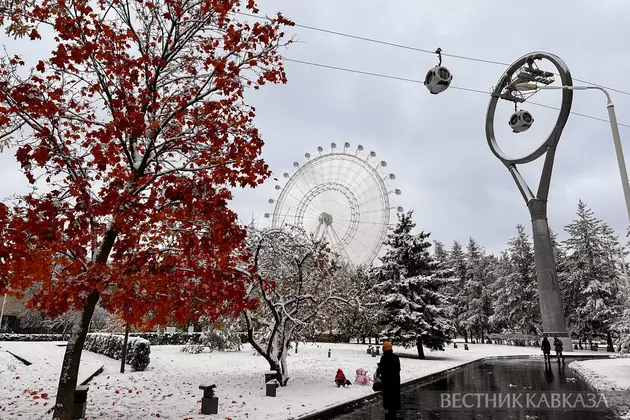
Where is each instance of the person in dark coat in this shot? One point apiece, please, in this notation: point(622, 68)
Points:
point(546, 349)
point(389, 369)
point(557, 344)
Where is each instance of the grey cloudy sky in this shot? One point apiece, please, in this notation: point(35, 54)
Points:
point(436, 144)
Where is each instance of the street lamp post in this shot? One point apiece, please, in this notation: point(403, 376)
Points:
point(521, 70)
point(623, 173)
point(4, 300)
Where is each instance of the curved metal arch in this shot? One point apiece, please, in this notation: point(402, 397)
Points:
point(552, 139)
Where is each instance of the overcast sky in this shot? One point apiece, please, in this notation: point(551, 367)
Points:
point(436, 145)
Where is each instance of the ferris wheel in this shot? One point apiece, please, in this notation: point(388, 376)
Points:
point(342, 197)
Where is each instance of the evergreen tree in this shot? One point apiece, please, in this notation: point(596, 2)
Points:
point(355, 320)
point(499, 321)
point(457, 262)
point(414, 311)
point(591, 288)
point(516, 301)
point(477, 310)
point(439, 252)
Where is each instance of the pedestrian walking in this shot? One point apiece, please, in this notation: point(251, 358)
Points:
point(557, 345)
point(546, 349)
point(389, 371)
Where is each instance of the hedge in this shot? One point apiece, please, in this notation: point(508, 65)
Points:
point(32, 337)
point(517, 339)
point(173, 338)
point(111, 345)
point(215, 339)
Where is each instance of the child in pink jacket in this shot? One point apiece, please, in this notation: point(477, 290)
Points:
point(362, 378)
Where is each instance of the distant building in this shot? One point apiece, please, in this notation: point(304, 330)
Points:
point(12, 308)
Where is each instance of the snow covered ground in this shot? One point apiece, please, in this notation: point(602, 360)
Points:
point(169, 389)
point(610, 377)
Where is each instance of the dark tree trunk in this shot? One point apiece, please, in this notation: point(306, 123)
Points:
point(280, 375)
point(419, 348)
point(72, 359)
point(363, 338)
point(482, 336)
point(609, 344)
point(465, 336)
point(123, 359)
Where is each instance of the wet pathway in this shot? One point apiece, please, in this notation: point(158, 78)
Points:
point(506, 376)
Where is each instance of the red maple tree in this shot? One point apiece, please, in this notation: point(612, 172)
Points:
point(131, 133)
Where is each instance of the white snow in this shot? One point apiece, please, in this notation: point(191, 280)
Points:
point(170, 386)
point(609, 376)
point(18, 381)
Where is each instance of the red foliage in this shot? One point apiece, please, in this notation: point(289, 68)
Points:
point(134, 129)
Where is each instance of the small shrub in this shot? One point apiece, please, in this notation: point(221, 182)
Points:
point(141, 355)
point(111, 345)
point(222, 340)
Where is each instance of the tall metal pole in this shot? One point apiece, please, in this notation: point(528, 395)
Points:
point(2, 311)
point(619, 151)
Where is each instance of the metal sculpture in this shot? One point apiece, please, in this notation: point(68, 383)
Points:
point(525, 70)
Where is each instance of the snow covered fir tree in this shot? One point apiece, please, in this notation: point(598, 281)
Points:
point(409, 283)
point(515, 290)
point(593, 293)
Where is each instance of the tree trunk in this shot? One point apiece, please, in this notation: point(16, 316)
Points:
point(465, 336)
point(281, 375)
point(419, 348)
point(609, 344)
point(482, 336)
point(72, 359)
point(123, 359)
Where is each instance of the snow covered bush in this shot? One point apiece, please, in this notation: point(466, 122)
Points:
point(192, 348)
point(222, 340)
point(31, 337)
point(111, 345)
point(221, 335)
